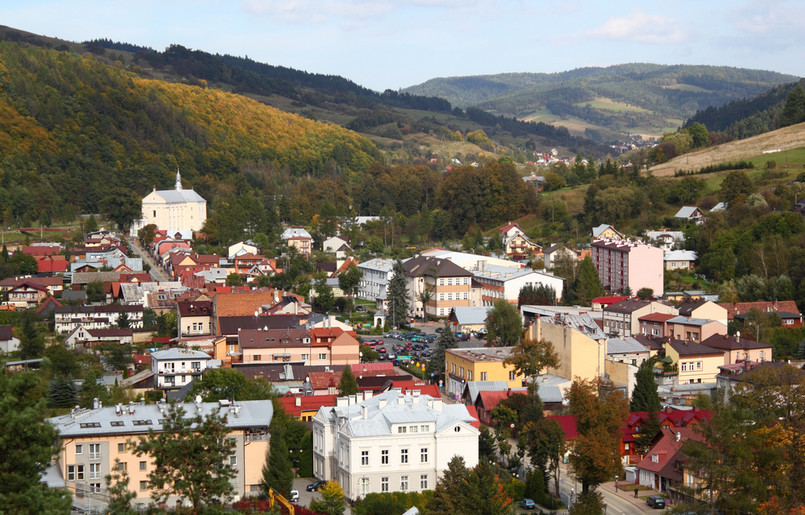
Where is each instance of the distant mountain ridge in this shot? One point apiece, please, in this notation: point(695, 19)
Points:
point(635, 97)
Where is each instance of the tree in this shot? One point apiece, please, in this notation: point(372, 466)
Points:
point(277, 472)
point(229, 383)
point(203, 480)
point(331, 501)
point(120, 497)
point(146, 234)
point(350, 280)
point(324, 301)
point(95, 292)
point(118, 356)
point(600, 411)
point(735, 184)
point(449, 489)
point(123, 320)
point(536, 295)
point(32, 342)
point(545, 441)
point(398, 295)
point(91, 225)
point(645, 293)
point(588, 284)
point(25, 264)
point(446, 340)
point(504, 327)
point(530, 358)
point(484, 493)
point(644, 395)
point(234, 279)
point(26, 448)
point(122, 206)
point(348, 385)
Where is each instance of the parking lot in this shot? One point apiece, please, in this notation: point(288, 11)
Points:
point(414, 346)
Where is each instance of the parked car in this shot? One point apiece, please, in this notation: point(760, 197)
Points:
point(316, 486)
point(656, 501)
point(528, 504)
point(294, 497)
point(439, 329)
point(462, 337)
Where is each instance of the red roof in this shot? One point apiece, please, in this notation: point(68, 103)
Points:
point(568, 424)
point(490, 399)
point(656, 317)
point(670, 443)
point(474, 414)
point(305, 403)
point(378, 368)
point(608, 300)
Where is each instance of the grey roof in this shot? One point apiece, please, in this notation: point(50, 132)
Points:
point(686, 212)
point(178, 196)
point(680, 255)
point(688, 321)
point(627, 345)
point(178, 353)
point(474, 388)
point(471, 315)
point(551, 388)
point(139, 418)
point(676, 235)
point(581, 322)
point(399, 408)
point(379, 264)
point(73, 295)
point(295, 232)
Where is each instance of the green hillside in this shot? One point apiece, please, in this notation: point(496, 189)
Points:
point(636, 98)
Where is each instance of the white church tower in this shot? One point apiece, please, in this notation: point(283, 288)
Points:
point(177, 210)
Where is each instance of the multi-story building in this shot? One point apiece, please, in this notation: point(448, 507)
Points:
point(503, 282)
point(93, 441)
point(298, 238)
point(577, 340)
point(68, 318)
point(448, 285)
point(375, 280)
point(173, 210)
point(391, 442)
point(623, 318)
point(174, 368)
point(195, 318)
point(463, 366)
point(628, 265)
point(326, 346)
point(694, 362)
point(694, 329)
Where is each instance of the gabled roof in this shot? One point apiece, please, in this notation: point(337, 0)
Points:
point(568, 425)
point(688, 348)
point(627, 306)
point(741, 308)
point(729, 342)
point(688, 212)
point(656, 317)
point(608, 300)
point(433, 267)
point(178, 353)
point(663, 456)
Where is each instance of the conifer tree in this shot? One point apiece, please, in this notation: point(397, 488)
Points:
point(348, 384)
point(399, 302)
point(588, 284)
point(446, 340)
point(644, 396)
point(277, 472)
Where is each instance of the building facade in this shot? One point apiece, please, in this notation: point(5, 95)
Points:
point(627, 264)
point(463, 366)
point(391, 442)
point(174, 368)
point(173, 210)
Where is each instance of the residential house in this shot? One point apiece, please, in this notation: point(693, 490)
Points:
point(694, 329)
point(391, 442)
point(499, 282)
point(599, 303)
point(81, 336)
point(195, 318)
point(668, 418)
point(241, 247)
point(336, 245)
point(8, 343)
point(468, 319)
point(91, 442)
point(666, 240)
point(437, 285)
point(465, 365)
point(298, 238)
point(68, 318)
point(739, 349)
point(790, 315)
point(489, 399)
point(375, 280)
point(177, 367)
point(662, 467)
point(626, 265)
point(552, 253)
point(704, 309)
point(655, 324)
point(27, 294)
point(690, 213)
point(245, 262)
point(680, 259)
point(694, 362)
point(606, 231)
point(305, 407)
point(517, 245)
point(623, 318)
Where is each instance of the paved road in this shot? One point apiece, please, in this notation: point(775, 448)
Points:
point(621, 502)
point(157, 273)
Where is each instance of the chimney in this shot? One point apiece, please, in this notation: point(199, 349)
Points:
point(367, 395)
point(678, 436)
point(297, 401)
point(381, 403)
point(400, 400)
point(95, 403)
point(437, 404)
point(364, 412)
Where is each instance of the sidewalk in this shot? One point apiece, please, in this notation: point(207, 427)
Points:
point(626, 492)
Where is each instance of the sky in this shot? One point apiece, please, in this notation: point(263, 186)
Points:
point(392, 44)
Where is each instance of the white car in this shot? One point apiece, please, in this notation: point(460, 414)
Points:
point(294, 496)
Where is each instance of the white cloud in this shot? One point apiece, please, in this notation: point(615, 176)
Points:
point(642, 28)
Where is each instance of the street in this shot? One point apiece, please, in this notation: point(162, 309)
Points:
point(621, 502)
point(156, 271)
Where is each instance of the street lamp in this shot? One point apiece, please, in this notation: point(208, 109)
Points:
point(616, 483)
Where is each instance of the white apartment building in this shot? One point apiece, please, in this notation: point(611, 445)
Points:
point(504, 282)
point(176, 367)
point(391, 442)
point(375, 281)
point(67, 318)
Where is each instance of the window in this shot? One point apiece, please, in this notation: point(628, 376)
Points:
point(142, 465)
point(121, 447)
point(424, 429)
point(401, 429)
point(423, 455)
point(423, 482)
point(413, 429)
point(305, 357)
point(323, 355)
point(79, 472)
point(684, 367)
point(143, 485)
point(404, 456)
point(95, 488)
point(122, 466)
point(258, 357)
point(698, 365)
point(79, 448)
point(384, 484)
point(233, 461)
point(483, 376)
point(384, 457)
point(626, 446)
point(364, 457)
point(70, 472)
point(512, 375)
point(403, 483)
point(94, 470)
point(94, 451)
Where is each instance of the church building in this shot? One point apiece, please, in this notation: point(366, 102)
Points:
point(173, 210)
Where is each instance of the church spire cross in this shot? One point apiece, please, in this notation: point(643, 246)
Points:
point(178, 180)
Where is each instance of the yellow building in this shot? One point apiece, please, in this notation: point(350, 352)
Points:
point(577, 340)
point(447, 285)
point(91, 441)
point(694, 362)
point(462, 366)
point(173, 210)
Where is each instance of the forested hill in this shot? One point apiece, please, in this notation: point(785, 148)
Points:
point(628, 96)
point(751, 116)
point(72, 128)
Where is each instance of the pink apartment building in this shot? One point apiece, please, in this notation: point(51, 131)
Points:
point(627, 263)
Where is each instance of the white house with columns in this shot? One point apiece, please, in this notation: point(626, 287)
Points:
point(391, 442)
